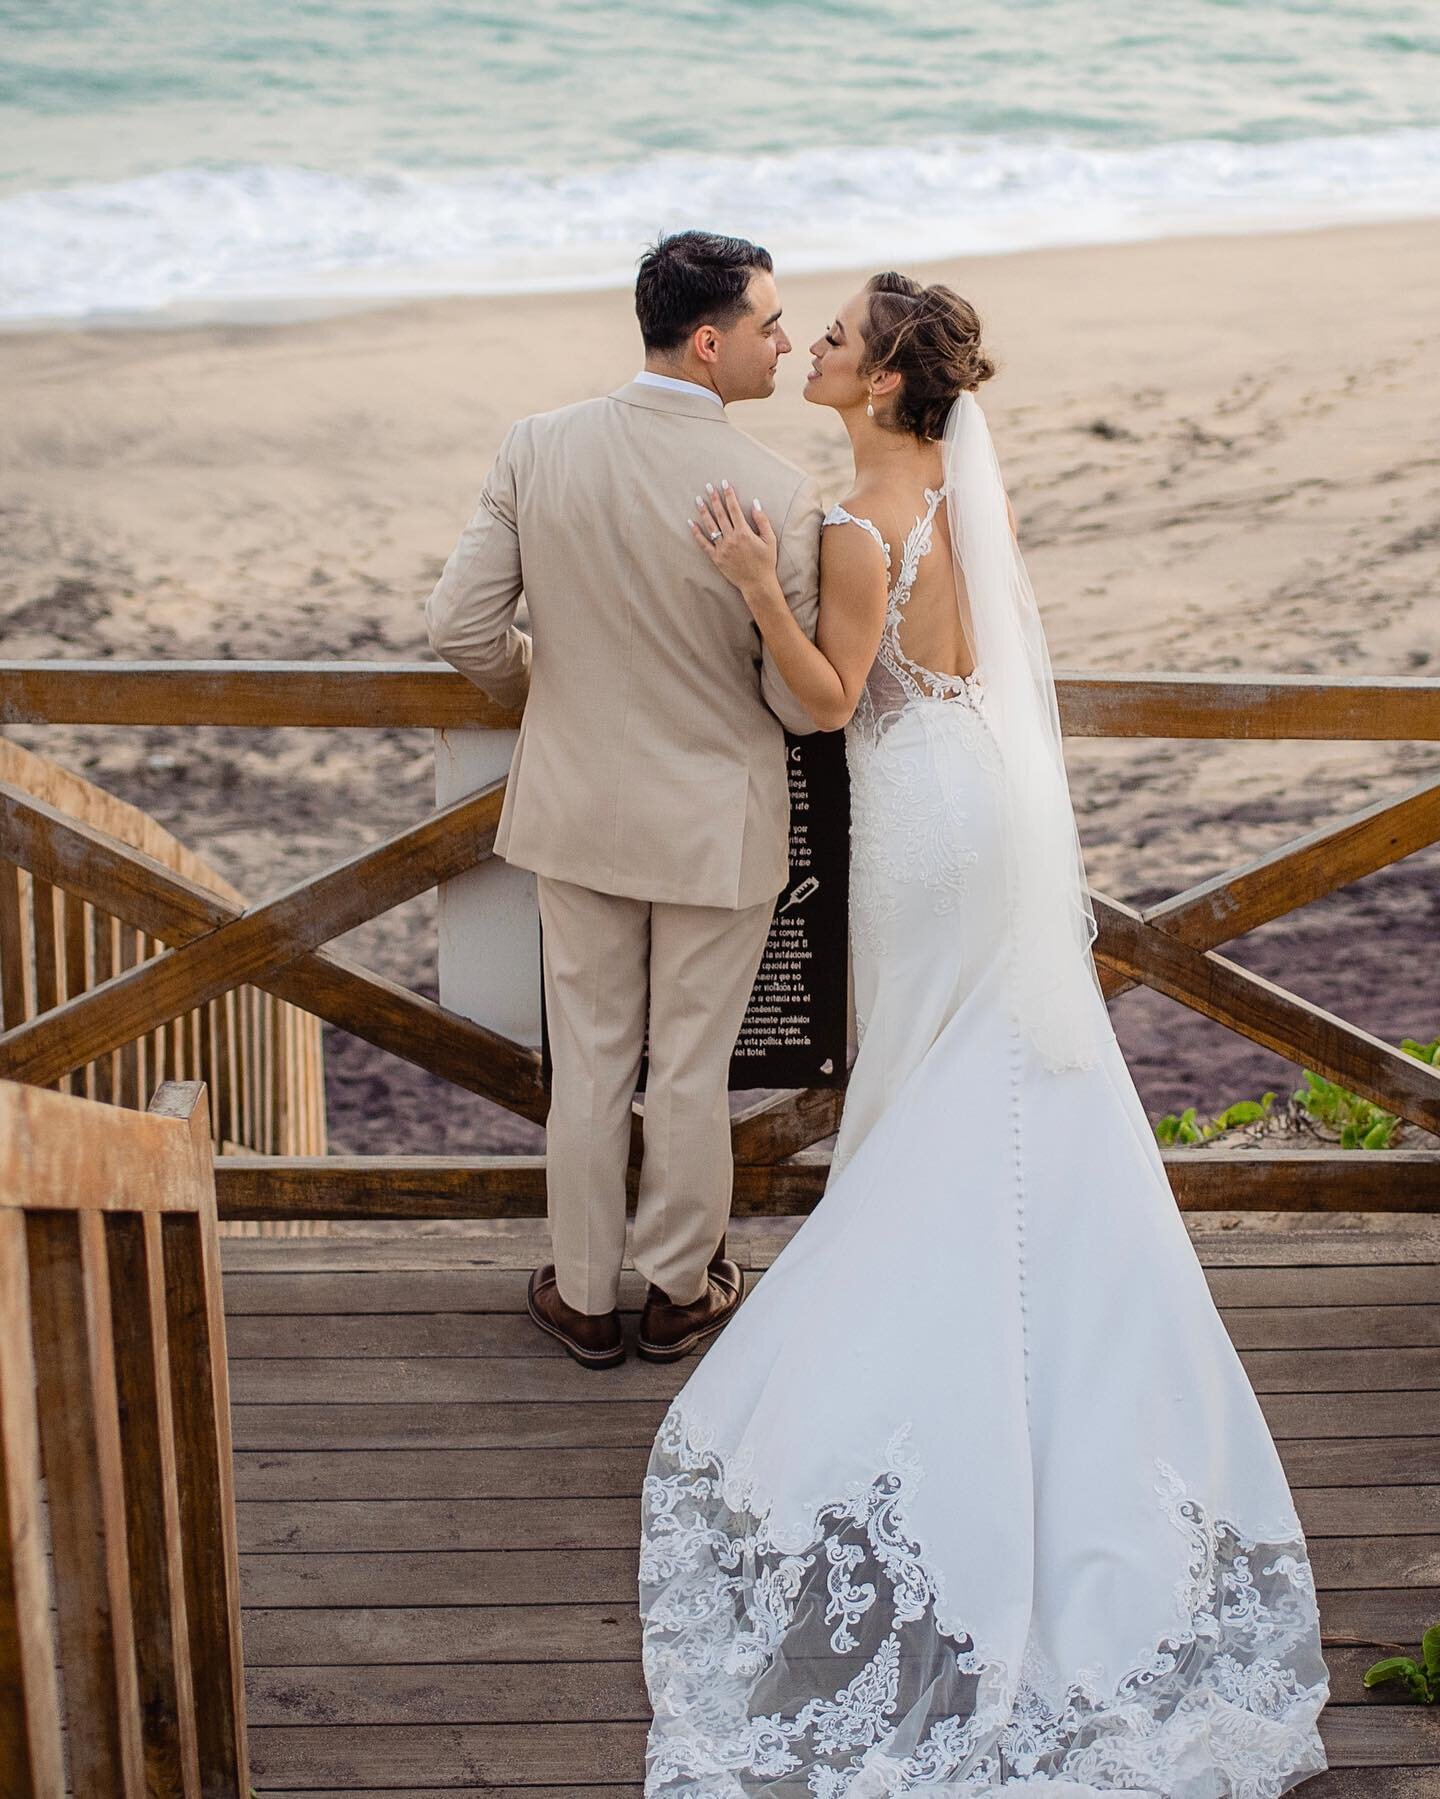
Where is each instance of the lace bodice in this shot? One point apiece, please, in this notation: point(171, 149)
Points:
point(895, 681)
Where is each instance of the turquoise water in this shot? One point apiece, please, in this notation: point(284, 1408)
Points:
point(150, 156)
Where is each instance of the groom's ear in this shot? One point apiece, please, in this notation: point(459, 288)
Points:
point(705, 342)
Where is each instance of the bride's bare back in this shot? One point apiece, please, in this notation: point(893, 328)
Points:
point(924, 637)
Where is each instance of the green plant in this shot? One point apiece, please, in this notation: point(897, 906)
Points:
point(1185, 1127)
point(1421, 1679)
point(1359, 1123)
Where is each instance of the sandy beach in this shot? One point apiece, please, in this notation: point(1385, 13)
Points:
point(1224, 454)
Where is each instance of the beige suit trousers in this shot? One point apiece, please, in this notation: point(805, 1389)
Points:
point(609, 961)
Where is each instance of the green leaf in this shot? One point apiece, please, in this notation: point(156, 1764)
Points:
point(1378, 1136)
point(1349, 1137)
point(1431, 1647)
point(1394, 1667)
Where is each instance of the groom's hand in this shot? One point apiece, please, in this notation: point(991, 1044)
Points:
point(745, 552)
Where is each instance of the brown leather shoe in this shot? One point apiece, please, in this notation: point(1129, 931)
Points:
point(592, 1339)
point(668, 1331)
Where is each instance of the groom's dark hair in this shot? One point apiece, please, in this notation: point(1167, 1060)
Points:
point(693, 278)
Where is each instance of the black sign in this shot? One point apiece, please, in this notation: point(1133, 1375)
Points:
point(794, 1029)
point(794, 1032)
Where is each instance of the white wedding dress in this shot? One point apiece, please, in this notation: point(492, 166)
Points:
point(973, 1495)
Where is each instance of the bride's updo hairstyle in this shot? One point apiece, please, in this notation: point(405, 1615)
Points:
point(928, 336)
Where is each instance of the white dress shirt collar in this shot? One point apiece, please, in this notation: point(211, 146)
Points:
point(647, 378)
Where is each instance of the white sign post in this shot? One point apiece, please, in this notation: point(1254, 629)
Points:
point(489, 921)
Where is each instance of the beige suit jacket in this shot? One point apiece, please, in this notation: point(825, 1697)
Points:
point(651, 759)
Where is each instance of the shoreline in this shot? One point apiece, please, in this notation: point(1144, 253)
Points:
point(262, 312)
point(1222, 452)
point(194, 235)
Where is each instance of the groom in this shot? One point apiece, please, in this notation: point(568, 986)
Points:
point(649, 791)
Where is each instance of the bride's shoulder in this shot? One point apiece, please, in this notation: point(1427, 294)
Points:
point(859, 550)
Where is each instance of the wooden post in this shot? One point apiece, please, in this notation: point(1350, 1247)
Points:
point(30, 1753)
point(157, 1575)
point(80, 1437)
point(200, 1395)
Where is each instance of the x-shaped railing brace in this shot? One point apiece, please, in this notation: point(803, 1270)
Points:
point(278, 946)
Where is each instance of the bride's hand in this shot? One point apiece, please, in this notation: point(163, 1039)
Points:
point(743, 549)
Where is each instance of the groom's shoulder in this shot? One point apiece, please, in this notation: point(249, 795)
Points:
point(541, 427)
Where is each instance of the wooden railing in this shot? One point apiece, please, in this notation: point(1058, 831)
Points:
point(279, 945)
point(260, 1058)
point(113, 1380)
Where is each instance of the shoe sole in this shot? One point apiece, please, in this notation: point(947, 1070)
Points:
point(675, 1352)
point(586, 1358)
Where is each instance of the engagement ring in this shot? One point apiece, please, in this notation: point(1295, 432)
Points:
point(714, 537)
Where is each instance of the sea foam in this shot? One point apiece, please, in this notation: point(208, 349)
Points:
point(202, 237)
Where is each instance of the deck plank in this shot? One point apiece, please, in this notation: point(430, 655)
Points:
point(1221, 1239)
point(352, 1474)
point(610, 1576)
point(1396, 1461)
point(361, 1635)
point(312, 1526)
point(325, 1475)
point(416, 1334)
point(1351, 1414)
point(263, 1287)
point(359, 1757)
point(446, 1380)
point(555, 1691)
point(624, 1424)
point(551, 1692)
point(374, 1635)
point(1333, 1327)
point(621, 1422)
point(503, 1754)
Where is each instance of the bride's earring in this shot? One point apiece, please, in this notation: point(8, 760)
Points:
point(870, 403)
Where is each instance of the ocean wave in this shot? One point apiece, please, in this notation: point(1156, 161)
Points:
point(201, 237)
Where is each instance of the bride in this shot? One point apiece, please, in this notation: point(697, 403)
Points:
point(974, 1496)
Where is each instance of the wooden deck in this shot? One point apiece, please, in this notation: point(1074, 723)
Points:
point(438, 1511)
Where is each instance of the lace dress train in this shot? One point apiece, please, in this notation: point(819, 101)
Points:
point(973, 1496)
